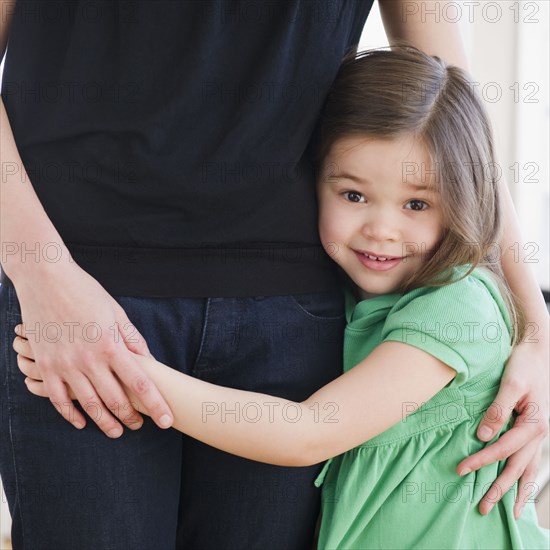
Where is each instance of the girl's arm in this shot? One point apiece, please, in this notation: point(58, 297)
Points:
point(525, 383)
point(384, 388)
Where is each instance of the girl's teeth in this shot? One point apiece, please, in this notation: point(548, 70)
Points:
point(375, 258)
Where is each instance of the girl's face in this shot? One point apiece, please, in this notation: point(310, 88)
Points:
point(378, 219)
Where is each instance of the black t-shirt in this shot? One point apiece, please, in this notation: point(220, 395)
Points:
point(167, 140)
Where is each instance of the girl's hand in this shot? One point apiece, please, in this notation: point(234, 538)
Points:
point(27, 365)
point(524, 388)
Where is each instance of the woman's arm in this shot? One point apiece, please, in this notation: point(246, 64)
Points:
point(421, 24)
point(74, 362)
point(525, 383)
point(379, 392)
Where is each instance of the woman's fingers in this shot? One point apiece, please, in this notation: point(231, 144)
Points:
point(504, 447)
point(528, 488)
point(81, 390)
point(514, 470)
point(498, 413)
point(109, 387)
point(59, 396)
point(117, 401)
point(521, 447)
point(528, 427)
point(133, 339)
point(91, 406)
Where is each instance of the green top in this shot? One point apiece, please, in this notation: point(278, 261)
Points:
point(400, 489)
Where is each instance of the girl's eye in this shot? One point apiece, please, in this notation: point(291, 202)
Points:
point(354, 196)
point(417, 205)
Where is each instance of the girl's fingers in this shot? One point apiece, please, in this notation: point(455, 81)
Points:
point(23, 347)
point(132, 375)
point(36, 387)
point(32, 372)
point(28, 368)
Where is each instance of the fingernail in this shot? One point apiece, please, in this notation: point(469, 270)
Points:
point(489, 509)
point(485, 433)
point(464, 472)
point(115, 432)
point(78, 425)
point(165, 421)
point(135, 425)
point(17, 329)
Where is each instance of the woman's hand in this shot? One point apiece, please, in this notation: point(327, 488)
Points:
point(81, 341)
point(524, 388)
point(33, 377)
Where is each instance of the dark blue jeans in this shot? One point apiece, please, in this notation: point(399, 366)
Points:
point(159, 489)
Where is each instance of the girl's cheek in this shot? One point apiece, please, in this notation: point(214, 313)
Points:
point(323, 230)
point(331, 237)
point(332, 220)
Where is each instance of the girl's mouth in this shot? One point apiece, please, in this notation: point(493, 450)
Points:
point(377, 262)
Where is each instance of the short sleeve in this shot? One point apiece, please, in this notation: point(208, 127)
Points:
point(463, 324)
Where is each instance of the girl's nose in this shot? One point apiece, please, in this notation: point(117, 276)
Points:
point(380, 226)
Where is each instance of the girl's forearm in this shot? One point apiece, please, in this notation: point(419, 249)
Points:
point(248, 424)
point(355, 407)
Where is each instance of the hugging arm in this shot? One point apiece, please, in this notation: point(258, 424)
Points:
point(352, 409)
point(524, 387)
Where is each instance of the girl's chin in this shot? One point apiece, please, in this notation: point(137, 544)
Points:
point(372, 291)
point(364, 295)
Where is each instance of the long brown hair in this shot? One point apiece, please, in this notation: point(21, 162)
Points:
point(384, 94)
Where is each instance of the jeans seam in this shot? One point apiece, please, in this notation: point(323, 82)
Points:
point(203, 335)
point(237, 342)
point(17, 501)
point(315, 317)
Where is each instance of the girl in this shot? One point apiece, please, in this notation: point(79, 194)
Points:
point(409, 209)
